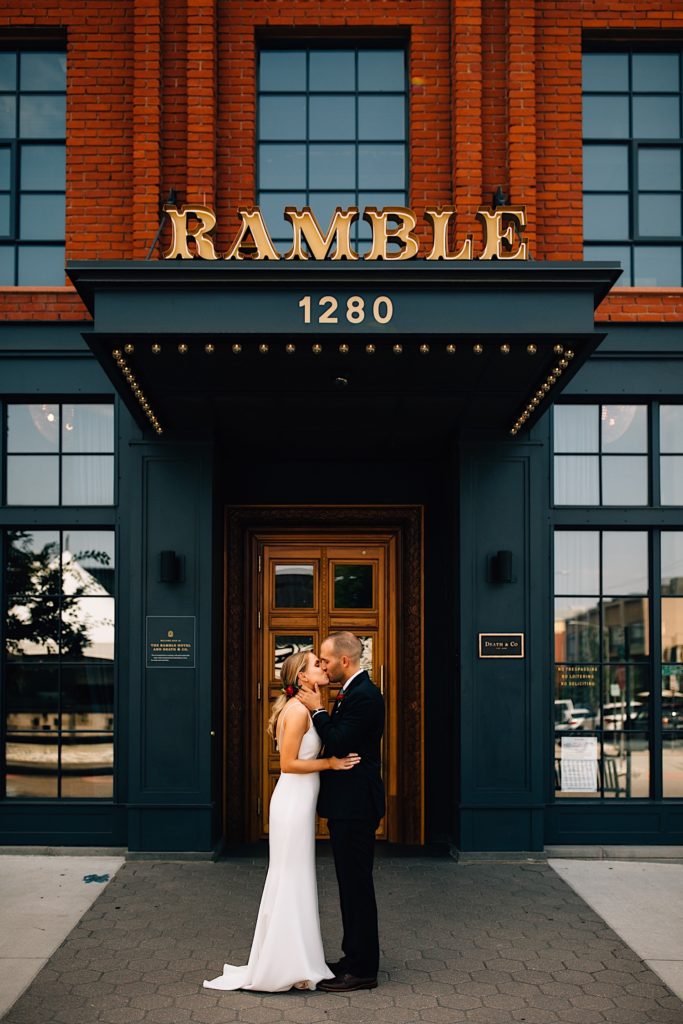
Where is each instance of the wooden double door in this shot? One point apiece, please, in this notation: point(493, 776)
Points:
point(306, 587)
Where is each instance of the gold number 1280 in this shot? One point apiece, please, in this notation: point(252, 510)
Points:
point(382, 309)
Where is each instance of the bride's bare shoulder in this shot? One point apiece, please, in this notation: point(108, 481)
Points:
point(295, 711)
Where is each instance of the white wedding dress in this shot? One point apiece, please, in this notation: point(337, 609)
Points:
point(287, 946)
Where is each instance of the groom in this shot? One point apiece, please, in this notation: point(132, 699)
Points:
point(353, 803)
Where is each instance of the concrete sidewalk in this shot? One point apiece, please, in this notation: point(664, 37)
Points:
point(41, 899)
point(486, 942)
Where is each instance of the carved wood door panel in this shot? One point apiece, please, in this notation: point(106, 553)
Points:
point(304, 588)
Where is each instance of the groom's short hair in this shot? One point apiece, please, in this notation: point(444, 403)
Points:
point(346, 643)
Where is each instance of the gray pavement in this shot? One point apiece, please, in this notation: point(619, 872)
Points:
point(41, 899)
point(644, 905)
point(487, 942)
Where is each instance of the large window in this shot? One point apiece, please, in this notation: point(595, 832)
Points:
point(60, 454)
point(602, 687)
point(332, 130)
point(618, 663)
point(620, 455)
point(633, 172)
point(32, 167)
point(58, 664)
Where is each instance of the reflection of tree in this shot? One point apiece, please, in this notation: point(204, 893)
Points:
point(35, 578)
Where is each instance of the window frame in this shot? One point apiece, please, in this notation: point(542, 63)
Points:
point(13, 240)
point(653, 455)
point(635, 237)
point(61, 402)
point(58, 800)
point(656, 519)
point(308, 46)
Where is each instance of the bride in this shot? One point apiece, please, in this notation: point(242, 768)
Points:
point(287, 950)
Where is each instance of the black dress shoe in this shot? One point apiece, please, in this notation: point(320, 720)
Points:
point(346, 983)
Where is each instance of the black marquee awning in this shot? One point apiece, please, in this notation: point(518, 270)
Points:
point(443, 343)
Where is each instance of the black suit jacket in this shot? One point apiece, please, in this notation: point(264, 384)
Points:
point(354, 727)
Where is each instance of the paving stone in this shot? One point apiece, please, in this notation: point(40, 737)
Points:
point(494, 944)
point(442, 1015)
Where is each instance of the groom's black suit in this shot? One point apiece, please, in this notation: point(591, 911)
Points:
point(353, 803)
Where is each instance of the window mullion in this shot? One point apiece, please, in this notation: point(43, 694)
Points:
point(655, 463)
point(656, 665)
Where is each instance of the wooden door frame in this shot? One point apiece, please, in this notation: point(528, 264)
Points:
point(241, 521)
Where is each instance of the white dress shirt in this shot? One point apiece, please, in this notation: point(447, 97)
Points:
point(346, 684)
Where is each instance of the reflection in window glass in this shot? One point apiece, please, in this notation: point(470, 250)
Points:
point(672, 562)
point(624, 562)
point(33, 428)
point(60, 478)
point(577, 629)
point(602, 672)
point(625, 627)
point(59, 664)
point(366, 653)
point(31, 766)
point(672, 629)
point(353, 586)
point(672, 730)
point(87, 428)
point(623, 428)
point(286, 645)
point(294, 586)
point(614, 475)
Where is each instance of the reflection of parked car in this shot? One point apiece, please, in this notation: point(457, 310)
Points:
point(617, 716)
point(571, 719)
point(672, 712)
point(584, 718)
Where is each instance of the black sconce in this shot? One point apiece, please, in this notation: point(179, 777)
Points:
point(500, 567)
point(169, 567)
point(499, 198)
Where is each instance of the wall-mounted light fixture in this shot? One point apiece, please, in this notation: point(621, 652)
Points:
point(499, 198)
point(500, 568)
point(170, 567)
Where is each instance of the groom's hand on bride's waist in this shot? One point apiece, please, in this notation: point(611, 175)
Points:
point(311, 699)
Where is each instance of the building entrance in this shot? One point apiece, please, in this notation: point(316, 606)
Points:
point(288, 587)
point(305, 589)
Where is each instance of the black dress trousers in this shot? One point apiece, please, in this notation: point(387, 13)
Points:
point(353, 846)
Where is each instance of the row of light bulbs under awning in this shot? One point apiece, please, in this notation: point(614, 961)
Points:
point(316, 348)
point(264, 347)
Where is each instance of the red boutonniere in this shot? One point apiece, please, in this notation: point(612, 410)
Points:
point(340, 696)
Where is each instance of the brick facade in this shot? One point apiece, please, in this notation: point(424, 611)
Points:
point(161, 94)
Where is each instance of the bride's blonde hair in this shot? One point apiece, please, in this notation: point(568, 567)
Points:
point(289, 676)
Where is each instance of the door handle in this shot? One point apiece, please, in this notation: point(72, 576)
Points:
point(381, 679)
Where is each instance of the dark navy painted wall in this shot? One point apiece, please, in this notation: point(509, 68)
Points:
point(488, 723)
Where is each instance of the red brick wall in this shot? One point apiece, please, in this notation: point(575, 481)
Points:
point(161, 94)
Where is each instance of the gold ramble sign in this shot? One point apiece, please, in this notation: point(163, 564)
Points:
point(391, 226)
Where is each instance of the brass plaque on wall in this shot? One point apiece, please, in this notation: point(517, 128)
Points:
point(170, 641)
point(501, 645)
